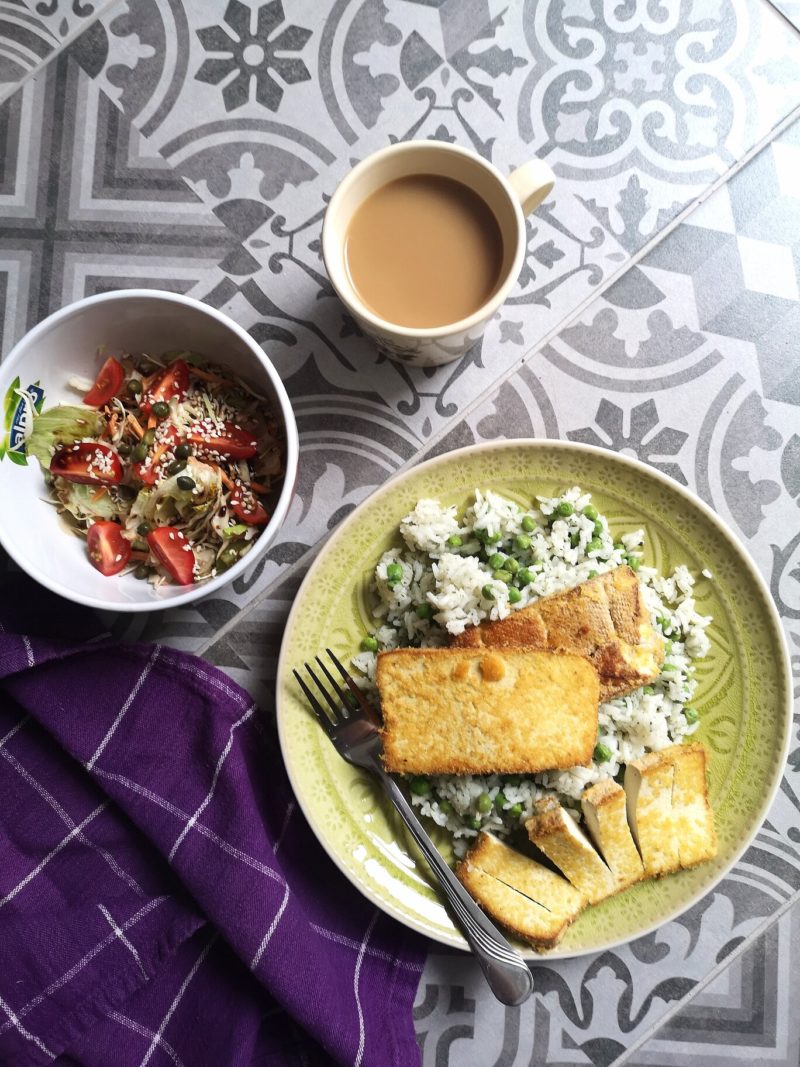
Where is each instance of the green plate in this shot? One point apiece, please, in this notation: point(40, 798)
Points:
point(743, 694)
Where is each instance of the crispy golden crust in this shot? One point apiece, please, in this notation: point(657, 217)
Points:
point(479, 711)
point(556, 833)
point(692, 815)
point(604, 815)
point(648, 788)
point(525, 897)
point(604, 619)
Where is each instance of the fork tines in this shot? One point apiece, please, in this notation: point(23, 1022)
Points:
point(342, 708)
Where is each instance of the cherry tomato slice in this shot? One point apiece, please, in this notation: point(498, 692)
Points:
point(166, 440)
point(248, 507)
point(87, 463)
point(107, 384)
point(108, 549)
point(172, 381)
point(173, 552)
point(231, 441)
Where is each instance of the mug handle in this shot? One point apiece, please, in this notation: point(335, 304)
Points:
point(532, 182)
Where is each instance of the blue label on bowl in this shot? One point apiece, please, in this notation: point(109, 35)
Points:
point(18, 405)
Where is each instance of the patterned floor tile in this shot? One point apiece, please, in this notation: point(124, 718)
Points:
point(748, 1013)
point(25, 43)
point(65, 19)
point(790, 9)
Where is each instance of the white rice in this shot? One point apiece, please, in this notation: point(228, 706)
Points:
point(458, 583)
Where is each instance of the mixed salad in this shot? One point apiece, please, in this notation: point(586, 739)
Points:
point(166, 468)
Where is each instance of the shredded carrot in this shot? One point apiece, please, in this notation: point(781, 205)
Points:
point(225, 479)
point(152, 422)
point(207, 376)
point(112, 424)
point(98, 494)
point(134, 422)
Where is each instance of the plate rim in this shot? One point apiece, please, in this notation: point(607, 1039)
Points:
point(455, 940)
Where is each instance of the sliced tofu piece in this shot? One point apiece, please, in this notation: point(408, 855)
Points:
point(525, 897)
point(648, 789)
point(692, 815)
point(556, 833)
point(604, 619)
point(603, 807)
point(479, 711)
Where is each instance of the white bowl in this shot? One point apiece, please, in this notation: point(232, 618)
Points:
point(65, 344)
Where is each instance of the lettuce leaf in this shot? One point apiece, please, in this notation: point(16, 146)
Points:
point(61, 425)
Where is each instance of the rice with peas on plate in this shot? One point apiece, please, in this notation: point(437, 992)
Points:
point(455, 571)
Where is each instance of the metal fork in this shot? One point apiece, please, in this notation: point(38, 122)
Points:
point(353, 729)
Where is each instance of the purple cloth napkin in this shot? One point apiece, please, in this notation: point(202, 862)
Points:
point(162, 900)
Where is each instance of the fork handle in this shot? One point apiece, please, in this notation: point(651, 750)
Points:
point(506, 972)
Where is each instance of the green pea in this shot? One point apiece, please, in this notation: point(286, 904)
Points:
point(502, 576)
point(484, 803)
point(522, 542)
point(593, 574)
point(394, 573)
point(515, 811)
point(445, 806)
point(473, 822)
point(669, 667)
point(514, 595)
point(595, 545)
point(420, 786)
point(228, 557)
point(564, 509)
point(663, 623)
point(591, 512)
point(486, 538)
point(487, 592)
point(143, 529)
point(575, 539)
point(187, 483)
point(500, 800)
point(369, 644)
point(512, 565)
point(528, 524)
point(176, 466)
point(691, 715)
point(602, 753)
point(124, 448)
point(648, 690)
point(454, 541)
point(160, 409)
point(513, 780)
point(496, 560)
point(525, 576)
point(425, 611)
point(619, 547)
point(182, 451)
point(634, 563)
point(598, 529)
point(134, 387)
point(141, 572)
point(149, 438)
point(139, 454)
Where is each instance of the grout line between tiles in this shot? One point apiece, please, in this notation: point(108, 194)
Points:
point(495, 385)
point(783, 16)
point(714, 973)
point(61, 46)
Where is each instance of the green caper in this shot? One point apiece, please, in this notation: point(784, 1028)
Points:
point(140, 546)
point(141, 572)
point(184, 482)
point(182, 451)
point(176, 466)
point(126, 493)
point(134, 387)
point(160, 409)
point(139, 454)
point(149, 438)
point(143, 529)
point(148, 368)
point(124, 448)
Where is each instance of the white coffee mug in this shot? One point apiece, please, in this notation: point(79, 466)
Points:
point(510, 200)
